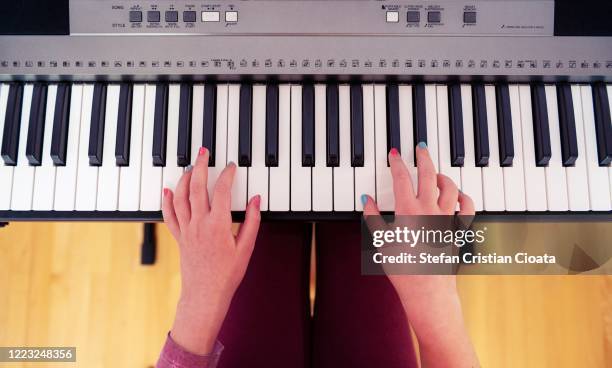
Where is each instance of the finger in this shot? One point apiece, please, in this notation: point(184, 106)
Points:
point(198, 192)
point(466, 205)
point(222, 195)
point(182, 207)
point(427, 175)
point(169, 214)
point(248, 230)
point(403, 188)
point(371, 214)
point(449, 193)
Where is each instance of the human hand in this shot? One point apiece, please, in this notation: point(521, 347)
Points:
point(213, 260)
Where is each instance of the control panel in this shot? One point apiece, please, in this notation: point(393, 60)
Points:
point(368, 17)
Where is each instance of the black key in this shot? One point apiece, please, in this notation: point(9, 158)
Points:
point(603, 126)
point(481, 129)
point(61, 122)
point(457, 148)
point(183, 148)
point(160, 124)
point(12, 125)
point(36, 128)
point(308, 127)
point(332, 106)
point(393, 118)
point(210, 121)
point(419, 116)
point(567, 125)
point(541, 130)
point(124, 125)
point(96, 130)
point(504, 125)
point(245, 125)
point(357, 147)
point(272, 125)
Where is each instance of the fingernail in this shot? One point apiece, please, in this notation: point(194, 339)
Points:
point(230, 163)
point(166, 191)
point(188, 168)
point(394, 152)
point(257, 201)
point(364, 199)
point(202, 151)
point(422, 145)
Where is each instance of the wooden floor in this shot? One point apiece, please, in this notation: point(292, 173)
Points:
point(82, 285)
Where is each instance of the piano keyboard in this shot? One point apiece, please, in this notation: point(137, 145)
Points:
point(73, 149)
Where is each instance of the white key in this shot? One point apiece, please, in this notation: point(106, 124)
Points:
point(444, 155)
point(151, 176)
point(23, 177)
point(279, 176)
point(239, 188)
point(108, 173)
point(172, 172)
point(44, 178)
point(471, 175)
point(322, 183)
point(197, 121)
point(87, 176)
point(301, 180)
point(365, 177)
point(431, 111)
point(407, 132)
point(129, 184)
point(6, 172)
point(344, 174)
point(577, 177)
point(556, 183)
point(220, 140)
point(535, 177)
point(66, 176)
point(599, 186)
point(258, 172)
point(384, 181)
point(514, 176)
point(609, 88)
point(492, 176)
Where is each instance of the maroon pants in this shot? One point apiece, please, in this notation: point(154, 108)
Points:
point(358, 320)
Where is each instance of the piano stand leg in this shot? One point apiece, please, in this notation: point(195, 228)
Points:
point(149, 245)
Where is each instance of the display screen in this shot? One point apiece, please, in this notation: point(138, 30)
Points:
point(583, 18)
point(34, 17)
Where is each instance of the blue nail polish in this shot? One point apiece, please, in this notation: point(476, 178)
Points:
point(188, 168)
point(364, 199)
point(422, 145)
point(231, 163)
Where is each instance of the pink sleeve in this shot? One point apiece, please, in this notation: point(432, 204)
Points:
point(174, 356)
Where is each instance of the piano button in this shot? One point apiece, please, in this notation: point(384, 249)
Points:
point(333, 139)
point(492, 175)
point(431, 106)
point(108, 173)
point(301, 176)
point(272, 125)
point(210, 121)
point(599, 189)
point(308, 126)
point(419, 109)
point(245, 125)
point(471, 174)
point(481, 129)
point(44, 178)
point(280, 180)
point(444, 135)
point(87, 178)
point(184, 126)
point(356, 126)
point(257, 182)
point(124, 125)
point(6, 172)
point(129, 181)
point(384, 181)
point(36, 129)
point(220, 111)
point(603, 125)
point(457, 148)
point(514, 175)
point(407, 131)
point(12, 124)
point(172, 172)
point(322, 183)
point(197, 122)
point(151, 178)
point(235, 112)
point(504, 125)
point(66, 175)
point(23, 176)
point(576, 175)
point(393, 118)
point(556, 182)
point(535, 177)
point(61, 123)
point(365, 177)
point(567, 125)
point(541, 130)
point(344, 174)
point(160, 129)
point(98, 121)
